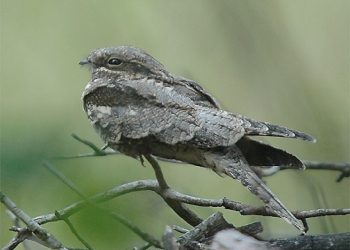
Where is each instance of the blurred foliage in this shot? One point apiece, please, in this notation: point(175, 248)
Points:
point(285, 62)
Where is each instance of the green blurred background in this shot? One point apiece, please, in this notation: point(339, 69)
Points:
point(285, 62)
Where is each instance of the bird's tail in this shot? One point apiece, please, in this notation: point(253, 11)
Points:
point(229, 161)
point(253, 127)
point(231, 164)
point(260, 154)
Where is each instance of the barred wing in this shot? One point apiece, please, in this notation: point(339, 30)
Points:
point(138, 109)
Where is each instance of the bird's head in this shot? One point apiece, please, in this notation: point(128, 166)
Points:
point(123, 62)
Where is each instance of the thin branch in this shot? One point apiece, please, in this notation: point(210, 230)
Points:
point(143, 235)
point(298, 214)
point(312, 242)
point(180, 209)
point(152, 185)
point(74, 231)
point(158, 172)
point(179, 229)
point(336, 166)
point(305, 224)
point(62, 178)
point(32, 225)
point(62, 216)
point(97, 150)
point(84, 155)
point(112, 193)
point(22, 235)
point(342, 167)
point(252, 229)
point(209, 227)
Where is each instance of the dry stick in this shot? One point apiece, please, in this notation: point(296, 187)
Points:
point(185, 213)
point(32, 225)
point(74, 231)
point(158, 172)
point(151, 240)
point(22, 233)
point(152, 185)
point(252, 229)
point(343, 167)
point(179, 229)
point(340, 166)
point(338, 241)
point(206, 229)
point(112, 193)
point(63, 216)
point(97, 150)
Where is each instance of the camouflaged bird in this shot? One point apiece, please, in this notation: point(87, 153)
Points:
point(139, 108)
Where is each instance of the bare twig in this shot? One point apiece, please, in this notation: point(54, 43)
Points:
point(305, 224)
point(204, 230)
point(74, 231)
point(97, 150)
point(184, 212)
point(143, 235)
point(152, 185)
point(336, 166)
point(298, 214)
point(32, 225)
point(112, 193)
point(158, 172)
point(312, 242)
point(252, 229)
point(342, 167)
point(22, 235)
point(62, 178)
point(179, 229)
point(62, 216)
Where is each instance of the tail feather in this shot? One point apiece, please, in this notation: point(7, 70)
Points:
point(253, 127)
point(260, 154)
point(229, 161)
point(233, 164)
point(257, 187)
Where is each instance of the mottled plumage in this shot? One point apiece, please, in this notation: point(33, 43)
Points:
point(139, 108)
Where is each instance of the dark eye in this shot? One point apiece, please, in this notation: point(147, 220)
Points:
point(114, 61)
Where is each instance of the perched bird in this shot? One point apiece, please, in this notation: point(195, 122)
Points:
point(139, 108)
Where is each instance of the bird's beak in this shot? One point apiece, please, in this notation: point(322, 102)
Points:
point(84, 61)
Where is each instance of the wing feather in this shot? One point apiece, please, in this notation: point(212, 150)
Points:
point(253, 127)
point(139, 109)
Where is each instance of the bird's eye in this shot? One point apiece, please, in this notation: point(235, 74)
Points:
point(114, 61)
